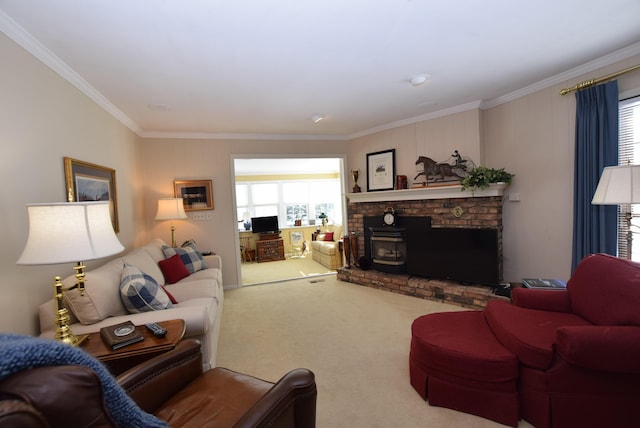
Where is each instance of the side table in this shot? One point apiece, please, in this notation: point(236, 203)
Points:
point(123, 359)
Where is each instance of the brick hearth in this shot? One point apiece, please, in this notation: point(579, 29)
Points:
point(467, 296)
point(481, 209)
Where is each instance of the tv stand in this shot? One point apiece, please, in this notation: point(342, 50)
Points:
point(270, 247)
point(268, 236)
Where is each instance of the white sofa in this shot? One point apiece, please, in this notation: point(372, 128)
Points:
point(328, 253)
point(200, 297)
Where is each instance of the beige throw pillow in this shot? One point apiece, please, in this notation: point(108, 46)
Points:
point(102, 294)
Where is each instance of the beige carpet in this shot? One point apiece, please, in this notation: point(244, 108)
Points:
point(257, 273)
point(355, 339)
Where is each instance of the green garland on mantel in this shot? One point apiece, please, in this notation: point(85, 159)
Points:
point(481, 177)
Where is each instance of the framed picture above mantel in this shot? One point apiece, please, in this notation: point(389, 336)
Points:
point(196, 194)
point(381, 170)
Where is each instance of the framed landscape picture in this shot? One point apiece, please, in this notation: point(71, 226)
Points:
point(381, 170)
point(196, 194)
point(86, 181)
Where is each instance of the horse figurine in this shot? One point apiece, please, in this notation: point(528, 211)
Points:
point(439, 171)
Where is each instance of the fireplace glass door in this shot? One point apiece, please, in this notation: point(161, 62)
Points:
point(388, 249)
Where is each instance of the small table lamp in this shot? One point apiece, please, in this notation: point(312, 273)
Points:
point(64, 233)
point(619, 185)
point(171, 209)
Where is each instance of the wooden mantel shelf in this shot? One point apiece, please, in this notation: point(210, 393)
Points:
point(433, 192)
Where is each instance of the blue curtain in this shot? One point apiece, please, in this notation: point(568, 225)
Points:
point(594, 226)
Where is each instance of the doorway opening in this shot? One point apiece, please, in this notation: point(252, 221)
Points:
point(299, 196)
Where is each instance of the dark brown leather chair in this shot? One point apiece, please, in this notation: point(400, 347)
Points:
point(171, 386)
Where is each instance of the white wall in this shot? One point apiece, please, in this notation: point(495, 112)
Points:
point(169, 160)
point(533, 137)
point(42, 120)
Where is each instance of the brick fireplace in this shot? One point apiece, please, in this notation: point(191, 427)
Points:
point(447, 206)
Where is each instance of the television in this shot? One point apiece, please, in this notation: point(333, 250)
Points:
point(267, 224)
point(466, 255)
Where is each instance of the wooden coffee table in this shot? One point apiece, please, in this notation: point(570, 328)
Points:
point(123, 359)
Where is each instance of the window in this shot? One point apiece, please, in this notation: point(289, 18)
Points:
point(295, 195)
point(290, 200)
point(629, 152)
point(264, 198)
point(297, 212)
point(242, 204)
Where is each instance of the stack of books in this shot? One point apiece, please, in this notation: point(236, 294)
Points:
point(121, 335)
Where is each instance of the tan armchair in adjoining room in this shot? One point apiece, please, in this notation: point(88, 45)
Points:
point(328, 252)
point(172, 387)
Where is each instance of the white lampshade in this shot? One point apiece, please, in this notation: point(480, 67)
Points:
point(618, 185)
point(69, 232)
point(170, 209)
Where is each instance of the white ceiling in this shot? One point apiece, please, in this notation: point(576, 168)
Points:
point(255, 68)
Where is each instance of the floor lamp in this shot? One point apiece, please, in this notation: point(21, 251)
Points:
point(620, 185)
point(68, 232)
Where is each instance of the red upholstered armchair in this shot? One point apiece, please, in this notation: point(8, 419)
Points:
point(578, 349)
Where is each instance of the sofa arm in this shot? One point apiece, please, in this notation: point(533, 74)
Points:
point(606, 348)
point(213, 261)
point(291, 399)
point(153, 382)
point(546, 300)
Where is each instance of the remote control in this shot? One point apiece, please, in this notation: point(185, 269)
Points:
point(156, 329)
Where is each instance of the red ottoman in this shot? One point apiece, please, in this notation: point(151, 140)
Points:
point(456, 362)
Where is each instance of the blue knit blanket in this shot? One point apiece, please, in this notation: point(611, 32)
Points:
point(18, 353)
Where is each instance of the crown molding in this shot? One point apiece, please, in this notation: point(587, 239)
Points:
point(604, 61)
point(428, 116)
point(23, 38)
point(221, 136)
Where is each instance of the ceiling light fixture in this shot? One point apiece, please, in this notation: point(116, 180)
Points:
point(419, 79)
point(316, 118)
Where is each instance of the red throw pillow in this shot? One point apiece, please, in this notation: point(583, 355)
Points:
point(173, 269)
point(328, 236)
point(173, 299)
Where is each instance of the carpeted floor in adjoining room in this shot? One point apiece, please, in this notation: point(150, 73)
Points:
point(291, 268)
point(354, 338)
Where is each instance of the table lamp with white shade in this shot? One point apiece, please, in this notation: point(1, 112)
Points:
point(68, 232)
point(619, 185)
point(171, 209)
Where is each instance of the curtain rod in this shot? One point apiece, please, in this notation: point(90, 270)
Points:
point(592, 82)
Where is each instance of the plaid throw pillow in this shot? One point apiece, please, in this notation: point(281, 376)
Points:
point(189, 254)
point(140, 292)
